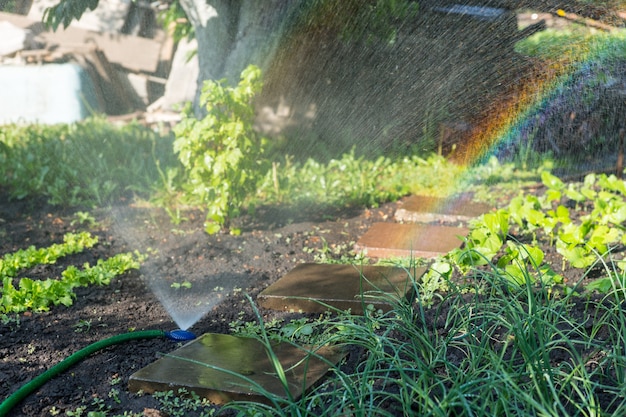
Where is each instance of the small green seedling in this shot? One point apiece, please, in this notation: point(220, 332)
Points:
point(179, 285)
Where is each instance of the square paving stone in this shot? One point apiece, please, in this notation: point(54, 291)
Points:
point(225, 368)
point(313, 287)
point(386, 240)
point(422, 209)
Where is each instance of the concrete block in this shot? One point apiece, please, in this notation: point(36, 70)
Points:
point(49, 94)
point(313, 288)
point(422, 209)
point(387, 240)
point(223, 368)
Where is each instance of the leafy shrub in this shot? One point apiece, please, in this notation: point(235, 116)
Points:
point(221, 152)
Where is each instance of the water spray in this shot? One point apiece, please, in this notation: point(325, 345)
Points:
point(7, 405)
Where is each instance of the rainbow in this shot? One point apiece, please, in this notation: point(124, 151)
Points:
point(509, 120)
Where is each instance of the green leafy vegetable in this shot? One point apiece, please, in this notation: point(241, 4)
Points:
point(39, 295)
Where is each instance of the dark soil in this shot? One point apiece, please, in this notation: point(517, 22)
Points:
point(270, 245)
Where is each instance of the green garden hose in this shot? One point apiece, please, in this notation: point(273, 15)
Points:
point(26, 389)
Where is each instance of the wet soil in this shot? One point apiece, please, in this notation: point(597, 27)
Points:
point(270, 245)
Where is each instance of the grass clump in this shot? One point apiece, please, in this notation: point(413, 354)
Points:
point(82, 164)
point(504, 351)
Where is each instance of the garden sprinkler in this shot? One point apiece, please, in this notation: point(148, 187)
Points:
point(7, 405)
point(180, 335)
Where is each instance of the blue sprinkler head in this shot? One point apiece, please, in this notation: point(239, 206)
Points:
point(180, 335)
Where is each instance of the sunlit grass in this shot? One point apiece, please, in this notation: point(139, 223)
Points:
point(87, 163)
point(504, 352)
point(357, 180)
point(351, 180)
point(93, 163)
point(575, 44)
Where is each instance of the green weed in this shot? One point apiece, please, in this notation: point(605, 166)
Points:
point(183, 402)
point(86, 163)
point(84, 218)
point(83, 326)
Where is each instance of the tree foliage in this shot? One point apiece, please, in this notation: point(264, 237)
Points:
point(67, 11)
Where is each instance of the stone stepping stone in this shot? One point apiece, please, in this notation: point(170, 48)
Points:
point(387, 240)
point(422, 209)
point(313, 287)
point(224, 368)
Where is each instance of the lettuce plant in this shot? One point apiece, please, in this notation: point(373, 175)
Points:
point(39, 295)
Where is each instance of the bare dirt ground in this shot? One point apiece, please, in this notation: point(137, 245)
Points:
point(269, 246)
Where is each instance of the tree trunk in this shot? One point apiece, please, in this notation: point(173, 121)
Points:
point(213, 25)
point(261, 26)
point(233, 34)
